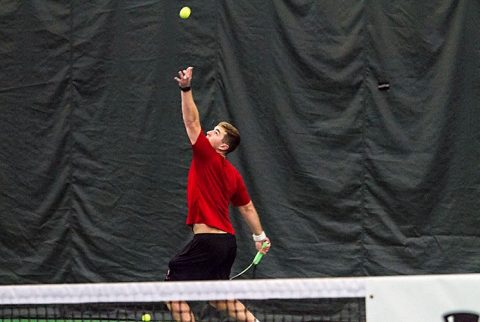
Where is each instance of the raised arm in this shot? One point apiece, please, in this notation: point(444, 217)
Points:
point(191, 117)
point(250, 215)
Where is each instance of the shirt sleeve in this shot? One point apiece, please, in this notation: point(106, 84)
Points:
point(202, 148)
point(241, 196)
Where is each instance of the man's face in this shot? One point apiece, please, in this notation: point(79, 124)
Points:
point(215, 138)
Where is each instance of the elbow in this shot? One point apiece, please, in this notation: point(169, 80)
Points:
point(190, 122)
point(248, 208)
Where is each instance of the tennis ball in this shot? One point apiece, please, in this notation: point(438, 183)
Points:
point(185, 12)
point(146, 317)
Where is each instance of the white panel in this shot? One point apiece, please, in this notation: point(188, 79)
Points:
point(421, 298)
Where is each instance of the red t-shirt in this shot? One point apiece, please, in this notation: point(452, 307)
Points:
point(213, 183)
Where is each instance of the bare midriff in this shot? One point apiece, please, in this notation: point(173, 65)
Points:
point(205, 229)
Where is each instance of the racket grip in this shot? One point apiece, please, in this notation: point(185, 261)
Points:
point(257, 258)
point(259, 255)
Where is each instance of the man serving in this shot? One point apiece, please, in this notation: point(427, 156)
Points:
point(213, 184)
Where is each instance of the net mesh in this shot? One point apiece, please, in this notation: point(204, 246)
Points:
point(333, 300)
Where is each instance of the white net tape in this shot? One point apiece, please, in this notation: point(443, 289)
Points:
point(193, 291)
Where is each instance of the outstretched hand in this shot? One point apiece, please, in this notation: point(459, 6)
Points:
point(184, 78)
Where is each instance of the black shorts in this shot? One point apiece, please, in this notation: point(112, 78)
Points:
point(206, 257)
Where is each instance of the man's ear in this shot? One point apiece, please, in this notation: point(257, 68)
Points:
point(224, 147)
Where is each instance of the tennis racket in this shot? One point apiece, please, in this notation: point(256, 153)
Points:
point(254, 263)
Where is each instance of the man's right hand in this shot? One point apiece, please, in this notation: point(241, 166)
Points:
point(184, 78)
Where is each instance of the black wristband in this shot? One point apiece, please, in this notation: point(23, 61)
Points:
point(185, 89)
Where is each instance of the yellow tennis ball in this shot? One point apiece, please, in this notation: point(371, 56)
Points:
point(146, 317)
point(185, 12)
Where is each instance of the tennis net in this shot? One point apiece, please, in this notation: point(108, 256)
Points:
point(333, 300)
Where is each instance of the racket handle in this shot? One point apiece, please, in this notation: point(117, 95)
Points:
point(257, 258)
point(259, 255)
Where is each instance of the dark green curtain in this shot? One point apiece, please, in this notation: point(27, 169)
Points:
point(359, 121)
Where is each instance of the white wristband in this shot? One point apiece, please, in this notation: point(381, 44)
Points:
point(259, 238)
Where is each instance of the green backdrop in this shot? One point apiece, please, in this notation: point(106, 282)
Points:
point(349, 179)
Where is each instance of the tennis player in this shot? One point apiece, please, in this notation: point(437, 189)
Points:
point(213, 184)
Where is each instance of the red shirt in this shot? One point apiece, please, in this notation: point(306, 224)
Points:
point(213, 183)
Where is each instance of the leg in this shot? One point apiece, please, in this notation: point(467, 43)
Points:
point(234, 309)
point(181, 311)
